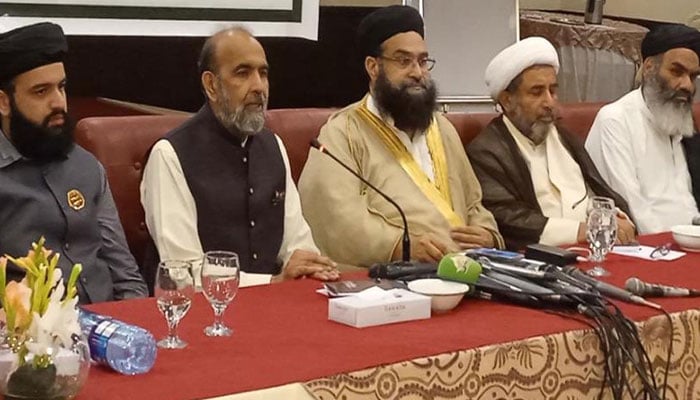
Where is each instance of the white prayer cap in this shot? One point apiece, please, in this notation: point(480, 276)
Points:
point(516, 58)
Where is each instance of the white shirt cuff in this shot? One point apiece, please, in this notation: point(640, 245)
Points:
point(560, 231)
point(250, 279)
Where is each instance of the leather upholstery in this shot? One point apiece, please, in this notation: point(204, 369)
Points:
point(122, 143)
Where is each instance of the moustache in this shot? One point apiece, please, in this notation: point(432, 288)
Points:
point(63, 114)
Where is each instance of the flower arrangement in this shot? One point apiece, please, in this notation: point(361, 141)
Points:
point(41, 326)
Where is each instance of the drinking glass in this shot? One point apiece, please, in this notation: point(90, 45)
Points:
point(220, 278)
point(601, 231)
point(174, 290)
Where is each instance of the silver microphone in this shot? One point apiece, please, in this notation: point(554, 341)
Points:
point(643, 289)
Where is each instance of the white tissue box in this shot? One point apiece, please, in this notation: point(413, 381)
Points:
point(396, 305)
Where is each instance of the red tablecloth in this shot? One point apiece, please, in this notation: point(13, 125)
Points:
point(282, 335)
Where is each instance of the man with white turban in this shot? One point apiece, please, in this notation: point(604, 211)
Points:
point(536, 177)
point(636, 141)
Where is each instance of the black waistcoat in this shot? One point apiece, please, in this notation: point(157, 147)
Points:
point(238, 190)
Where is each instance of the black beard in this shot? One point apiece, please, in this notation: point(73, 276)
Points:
point(411, 112)
point(40, 142)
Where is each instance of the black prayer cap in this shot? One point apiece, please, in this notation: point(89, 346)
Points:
point(665, 37)
point(384, 23)
point(29, 47)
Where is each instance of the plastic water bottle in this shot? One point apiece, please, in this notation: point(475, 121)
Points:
point(125, 348)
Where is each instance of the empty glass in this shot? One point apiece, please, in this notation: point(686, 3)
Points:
point(174, 290)
point(601, 231)
point(220, 279)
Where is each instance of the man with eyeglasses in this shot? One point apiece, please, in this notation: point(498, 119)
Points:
point(536, 177)
point(394, 138)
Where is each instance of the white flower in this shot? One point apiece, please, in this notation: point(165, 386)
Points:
point(58, 324)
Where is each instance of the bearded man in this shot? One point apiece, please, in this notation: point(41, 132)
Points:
point(636, 141)
point(536, 177)
point(50, 186)
point(394, 139)
point(221, 181)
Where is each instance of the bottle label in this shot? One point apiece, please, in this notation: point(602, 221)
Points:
point(99, 337)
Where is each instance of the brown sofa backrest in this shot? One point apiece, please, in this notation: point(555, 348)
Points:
point(122, 143)
point(296, 127)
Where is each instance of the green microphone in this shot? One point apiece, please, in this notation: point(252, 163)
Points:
point(459, 268)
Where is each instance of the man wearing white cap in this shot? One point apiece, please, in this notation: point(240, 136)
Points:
point(536, 177)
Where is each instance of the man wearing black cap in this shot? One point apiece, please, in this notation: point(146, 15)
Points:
point(636, 141)
point(396, 140)
point(49, 186)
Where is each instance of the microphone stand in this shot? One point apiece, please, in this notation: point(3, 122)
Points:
point(405, 266)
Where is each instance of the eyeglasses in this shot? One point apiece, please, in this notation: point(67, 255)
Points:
point(425, 63)
point(660, 251)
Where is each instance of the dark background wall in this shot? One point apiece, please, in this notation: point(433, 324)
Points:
point(162, 71)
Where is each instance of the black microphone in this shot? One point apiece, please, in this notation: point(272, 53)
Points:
point(607, 289)
point(643, 289)
point(406, 241)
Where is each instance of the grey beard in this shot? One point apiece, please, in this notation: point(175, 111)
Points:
point(239, 120)
point(670, 117)
point(539, 131)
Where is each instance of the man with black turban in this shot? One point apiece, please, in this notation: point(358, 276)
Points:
point(636, 141)
point(49, 186)
point(394, 138)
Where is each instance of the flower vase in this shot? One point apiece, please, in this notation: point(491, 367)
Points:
point(57, 374)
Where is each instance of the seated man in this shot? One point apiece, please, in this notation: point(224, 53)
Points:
point(536, 177)
point(221, 181)
point(636, 141)
point(48, 185)
point(395, 140)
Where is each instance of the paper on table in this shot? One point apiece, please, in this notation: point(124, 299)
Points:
point(644, 252)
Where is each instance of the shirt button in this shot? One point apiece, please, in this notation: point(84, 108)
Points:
point(83, 279)
point(255, 256)
point(251, 191)
point(245, 160)
point(252, 224)
point(66, 246)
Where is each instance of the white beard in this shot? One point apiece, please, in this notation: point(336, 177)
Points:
point(669, 117)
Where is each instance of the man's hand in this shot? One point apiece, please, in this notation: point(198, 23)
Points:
point(424, 248)
point(470, 237)
point(625, 231)
point(304, 263)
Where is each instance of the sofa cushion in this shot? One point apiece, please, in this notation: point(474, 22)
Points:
point(296, 127)
point(122, 144)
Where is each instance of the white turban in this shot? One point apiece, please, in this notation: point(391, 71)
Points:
point(516, 58)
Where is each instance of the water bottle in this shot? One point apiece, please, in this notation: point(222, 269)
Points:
point(125, 348)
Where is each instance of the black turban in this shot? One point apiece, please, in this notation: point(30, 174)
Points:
point(29, 47)
point(384, 23)
point(665, 37)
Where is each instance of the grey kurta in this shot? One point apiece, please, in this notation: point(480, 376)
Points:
point(353, 224)
point(34, 203)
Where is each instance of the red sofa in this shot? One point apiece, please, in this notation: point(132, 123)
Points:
point(122, 144)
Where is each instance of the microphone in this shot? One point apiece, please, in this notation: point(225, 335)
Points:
point(607, 289)
point(643, 289)
point(406, 241)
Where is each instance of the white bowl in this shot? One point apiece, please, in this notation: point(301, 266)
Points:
point(687, 236)
point(444, 295)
